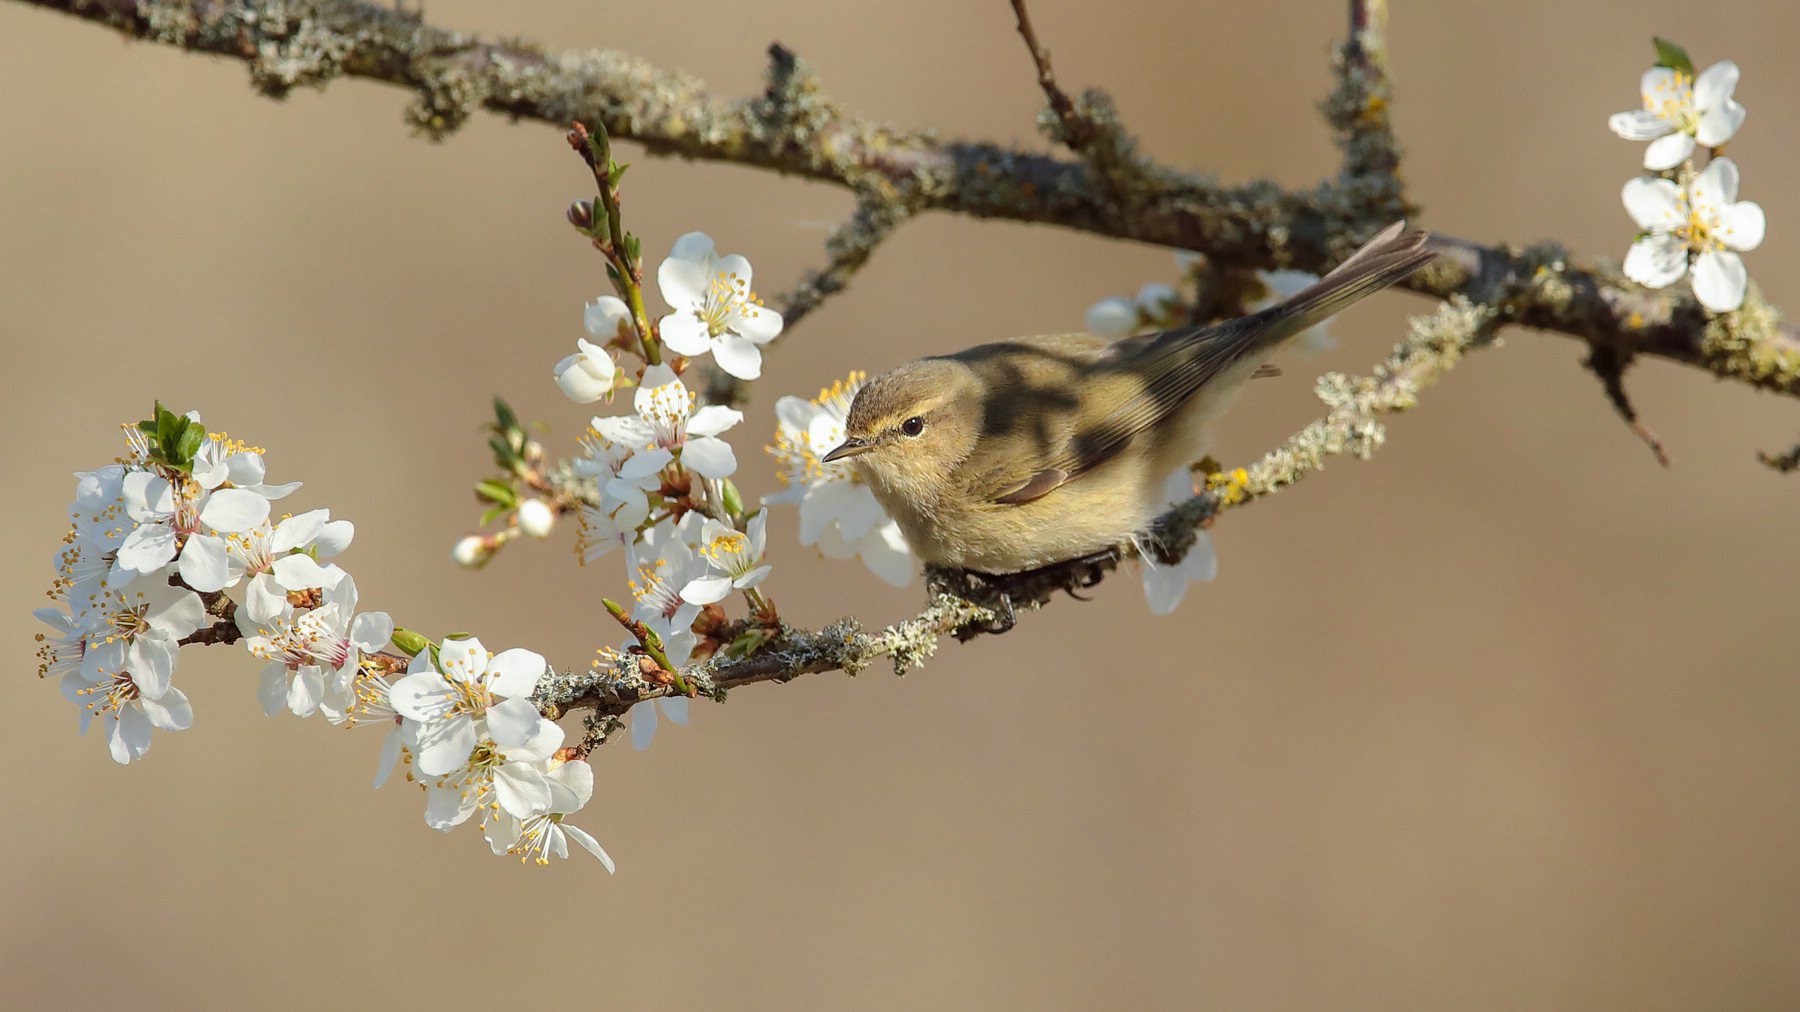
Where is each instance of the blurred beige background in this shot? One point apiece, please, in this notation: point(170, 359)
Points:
point(1504, 719)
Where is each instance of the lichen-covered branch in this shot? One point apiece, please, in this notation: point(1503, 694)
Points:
point(793, 127)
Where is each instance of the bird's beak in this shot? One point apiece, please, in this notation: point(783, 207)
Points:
point(848, 448)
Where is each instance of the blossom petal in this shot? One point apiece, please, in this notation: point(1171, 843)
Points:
point(521, 790)
point(371, 630)
point(303, 572)
point(1668, 151)
point(306, 691)
point(1741, 225)
point(1653, 203)
point(738, 356)
point(234, 509)
point(1656, 261)
point(448, 807)
point(1720, 280)
point(512, 721)
point(643, 723)
point(706, 589)
point(170, 712)
point(709, 456)
point(205, 565)
point(584, 380)
point(1715, 188)
point(128, 736)
point(713, 419)
point(515, 672)
point(757, 323)
point(1639, 125)
point(689, 268)
point(601, 317)
point(272, 689)
point(298, 531)
point(421, 696)
point(589, 844)
point(147, 549)
point(884, 551)
point(390, 757)
point(685, 332)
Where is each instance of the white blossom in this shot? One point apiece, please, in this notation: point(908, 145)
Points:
point(1165, 585)
point(118, 661)
point(493, 777)
point(544, 834)
point(735, 558)
point(320, 648)
point(465, 686)
point(838, 512)
point(1680, 111)
point(1702, 226)
point(667, 427)
point(715, 310)
point(590, 373)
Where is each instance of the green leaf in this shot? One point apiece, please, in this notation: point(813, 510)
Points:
point(614, 173)
point(504, 416)
point(188, 441)
point(747, 644)
point(634, 248)
point(1672, 56)
point(491, 514)
point(497, 491)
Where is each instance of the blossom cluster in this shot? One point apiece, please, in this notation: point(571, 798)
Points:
point(1691, 220)
point(176, 540)
point(661, 475)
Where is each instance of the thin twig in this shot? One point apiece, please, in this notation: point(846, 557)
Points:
point(1609, 366)
point(1077, 132)
point(1785, 463)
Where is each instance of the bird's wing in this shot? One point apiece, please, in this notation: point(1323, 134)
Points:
point(1157, 373)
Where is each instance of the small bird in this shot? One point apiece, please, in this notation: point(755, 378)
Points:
point(1021, 454)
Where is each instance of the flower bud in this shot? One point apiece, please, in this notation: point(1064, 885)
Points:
point(1114, 317)
point(473, 551)
point(536, 518)
point(581, 214)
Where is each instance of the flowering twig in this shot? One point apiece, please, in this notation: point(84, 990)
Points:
point(624, 258)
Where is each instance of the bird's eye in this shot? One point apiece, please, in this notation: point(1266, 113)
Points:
point(913, 426)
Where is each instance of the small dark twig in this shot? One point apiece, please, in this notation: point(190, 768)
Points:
point(1077, 131)
point(1609, 366)
point(1785, 463)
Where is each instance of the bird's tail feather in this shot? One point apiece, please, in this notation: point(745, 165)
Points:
point(1393, 254)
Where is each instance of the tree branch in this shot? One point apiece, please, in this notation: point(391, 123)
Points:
point(793, 128)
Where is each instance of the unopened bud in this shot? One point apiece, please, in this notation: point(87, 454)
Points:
point(581, 214)
point(536, 518)
point(473, 551)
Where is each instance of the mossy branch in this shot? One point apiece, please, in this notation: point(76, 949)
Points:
point(795, 128)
